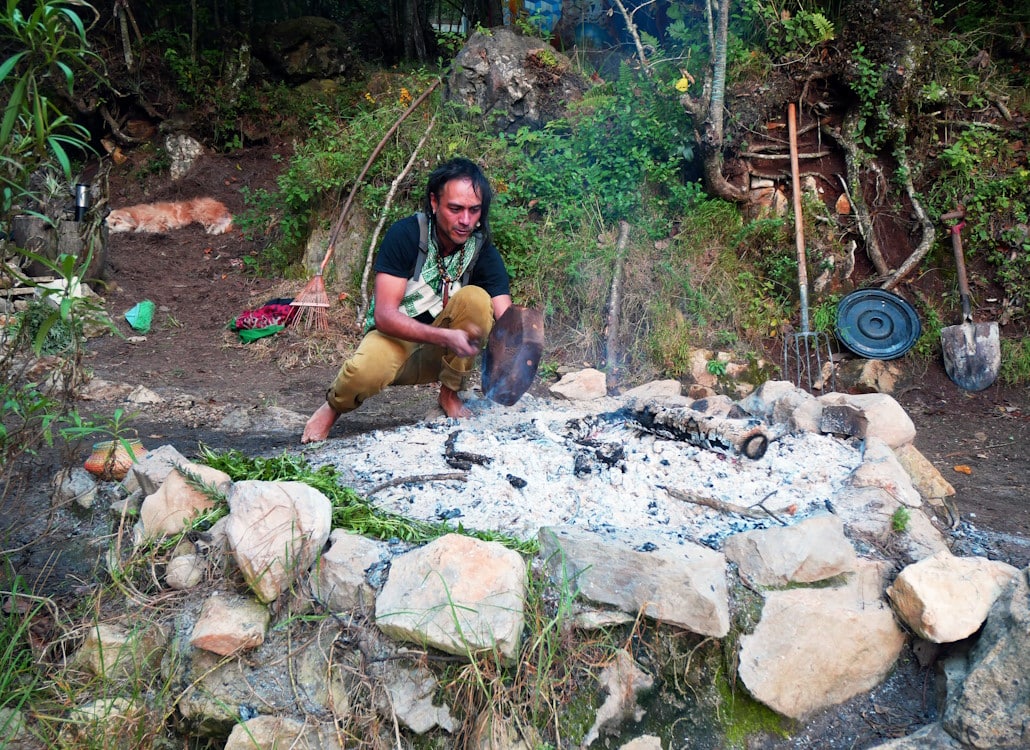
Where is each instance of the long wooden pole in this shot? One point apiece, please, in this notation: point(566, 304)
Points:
point(368, 164)
point(799, 225)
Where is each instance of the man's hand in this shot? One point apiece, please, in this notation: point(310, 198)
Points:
point(463, 343)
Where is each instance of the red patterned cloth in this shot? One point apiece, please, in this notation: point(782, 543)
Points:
point(275, 312)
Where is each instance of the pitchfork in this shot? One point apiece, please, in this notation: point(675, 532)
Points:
point(803, 357)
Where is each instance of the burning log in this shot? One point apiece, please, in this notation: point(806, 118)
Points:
point(748, 437)
point(463, 460)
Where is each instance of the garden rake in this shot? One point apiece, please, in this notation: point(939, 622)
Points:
point(312, 304)
point(805, 353)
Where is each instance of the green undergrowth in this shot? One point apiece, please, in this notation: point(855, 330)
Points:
point(19, 680)
point(1015, 361)
point(351, 511)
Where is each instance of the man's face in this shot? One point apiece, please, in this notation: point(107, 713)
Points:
point(457, 210)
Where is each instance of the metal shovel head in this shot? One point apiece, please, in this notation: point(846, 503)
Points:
point(972, 354)
point(512, 354)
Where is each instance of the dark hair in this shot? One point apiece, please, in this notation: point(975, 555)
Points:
point(462, 169)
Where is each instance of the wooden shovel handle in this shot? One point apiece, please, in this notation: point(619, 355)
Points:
point(960, 262)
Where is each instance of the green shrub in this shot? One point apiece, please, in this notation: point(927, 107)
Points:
point(49, 46)
point(620, 137)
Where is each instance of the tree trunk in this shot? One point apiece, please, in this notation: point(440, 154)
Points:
point(413, 17)
point(708, 112)
point(486, 13)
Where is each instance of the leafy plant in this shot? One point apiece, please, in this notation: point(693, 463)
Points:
point(928, 344)
point(824, 314)
point(874, 110)
point(114, 427)
point(50, 44)
point(32, 407)
point(900, 520)
point(791, 34)
point(51, 333)
point(716, 367)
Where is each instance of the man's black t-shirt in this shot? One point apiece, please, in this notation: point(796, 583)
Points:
point(398, 254)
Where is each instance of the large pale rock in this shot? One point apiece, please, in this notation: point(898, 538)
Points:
point(150, 471)
point(815, 648)
point(168, 511)
point(868, 514)
point(185, 571)
point(143, 396)
point(339, 578)
point(647, 742)
point(807, 417)
point(946, 598)
point(878, 376)
point(668, 392)
point(96, 723)
point(512, 80)
point(457, 594)
point(276, 530)
point(718, 405)
point(584, 385)
point(698, 366)
point(12, 724)
point(74, 485)
point(775, 400)
point(275, 732)
point(183, 151)
point(813, 550)
point(881, 468)
point(322, 669)
point(405, 688)
point(682, 584)
point(990, 710)
point(228, 624)
point(883, 416)
point(928, 481)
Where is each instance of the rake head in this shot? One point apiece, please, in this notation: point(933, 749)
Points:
point(808, 361)
point(311, 306)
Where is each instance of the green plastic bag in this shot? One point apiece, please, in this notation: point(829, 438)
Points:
point(253, 334)
point(140, 316)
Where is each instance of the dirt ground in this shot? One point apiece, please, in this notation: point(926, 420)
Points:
point(221, 392)
point(199, 284)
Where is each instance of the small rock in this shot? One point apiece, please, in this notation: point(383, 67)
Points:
point(228, 624)
point(185, 572)
point(75, 485)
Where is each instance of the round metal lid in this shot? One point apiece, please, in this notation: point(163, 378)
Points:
point(876, 324)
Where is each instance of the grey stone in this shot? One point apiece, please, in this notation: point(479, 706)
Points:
point(680, 584)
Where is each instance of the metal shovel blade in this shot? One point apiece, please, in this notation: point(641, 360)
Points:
point(972, 354)
point(512, 354)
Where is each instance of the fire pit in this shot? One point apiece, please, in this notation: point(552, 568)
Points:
point(607, 466)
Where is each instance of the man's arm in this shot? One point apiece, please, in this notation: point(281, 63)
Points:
point(389, 292)
point(500, 304)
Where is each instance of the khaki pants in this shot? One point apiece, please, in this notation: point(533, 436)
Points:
point(382, 360)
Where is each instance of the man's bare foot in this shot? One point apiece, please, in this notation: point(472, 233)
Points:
point(452, 404)
point(319, 424)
